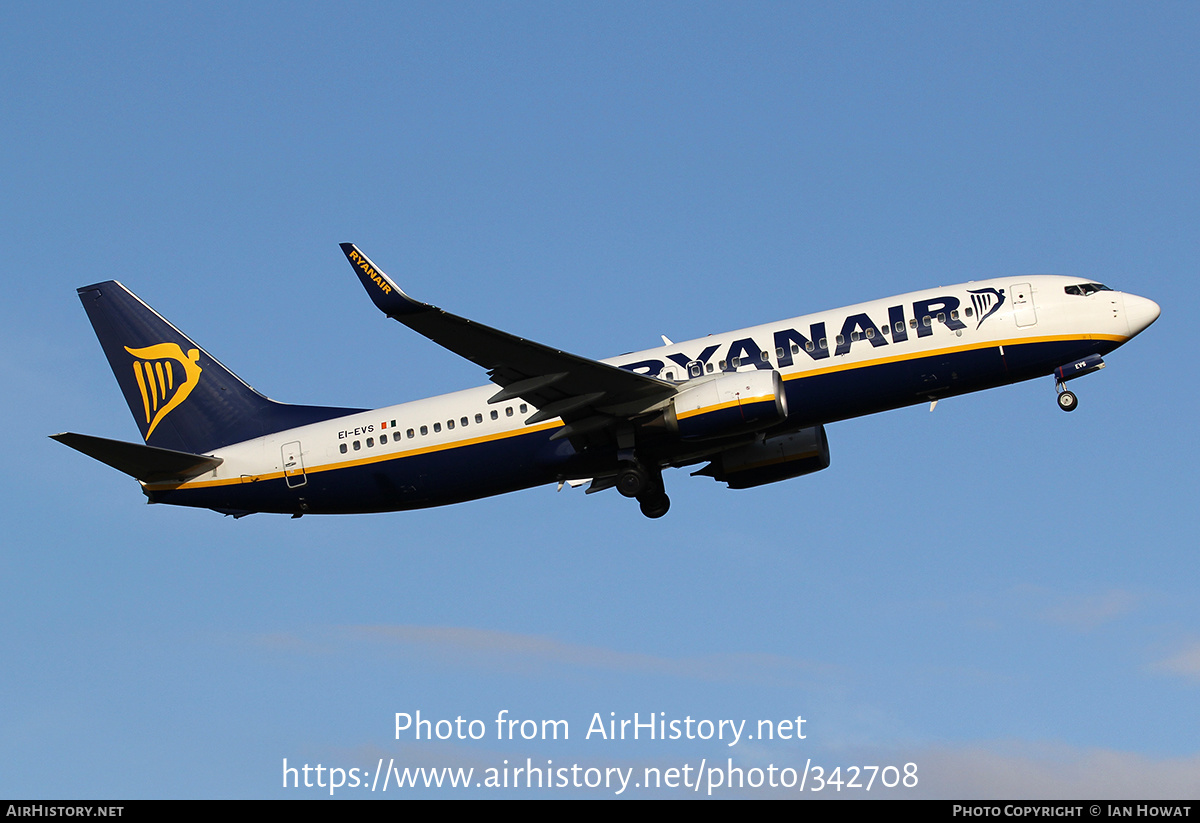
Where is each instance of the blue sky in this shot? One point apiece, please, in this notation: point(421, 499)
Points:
point(998, 592)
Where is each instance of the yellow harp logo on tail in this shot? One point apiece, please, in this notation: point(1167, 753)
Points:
point(166, 377)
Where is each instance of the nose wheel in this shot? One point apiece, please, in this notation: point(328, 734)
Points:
point(1067, 401)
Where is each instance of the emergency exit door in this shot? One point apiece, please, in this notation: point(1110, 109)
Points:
point(293, 464)
point(1023, 311)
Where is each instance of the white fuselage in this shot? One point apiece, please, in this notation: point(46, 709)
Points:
point(882, 354)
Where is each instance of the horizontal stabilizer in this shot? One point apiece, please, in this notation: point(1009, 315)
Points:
point(148, 464)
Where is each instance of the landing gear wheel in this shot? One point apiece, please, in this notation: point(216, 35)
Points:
point(633, 480)
point(1067, 401)
point(656, 505)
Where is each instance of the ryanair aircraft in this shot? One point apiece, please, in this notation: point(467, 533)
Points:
point(750, 405)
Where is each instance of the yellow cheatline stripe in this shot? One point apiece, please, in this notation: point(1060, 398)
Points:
point(554, 424)
point(363, 461)
point(726, 405)
point(991, 344)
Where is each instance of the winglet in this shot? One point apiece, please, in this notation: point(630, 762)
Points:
point(383, 291)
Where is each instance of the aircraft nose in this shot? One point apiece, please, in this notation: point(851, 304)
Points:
point(1140, 313)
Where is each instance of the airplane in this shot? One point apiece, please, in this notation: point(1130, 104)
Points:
point(751, 405)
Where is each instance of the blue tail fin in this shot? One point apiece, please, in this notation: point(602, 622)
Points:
point(182, 397)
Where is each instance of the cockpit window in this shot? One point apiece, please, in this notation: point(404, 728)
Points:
point(1084, 289)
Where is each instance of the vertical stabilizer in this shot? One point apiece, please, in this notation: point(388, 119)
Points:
point(181, 396)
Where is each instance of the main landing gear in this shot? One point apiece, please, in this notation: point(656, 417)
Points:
point(646, 486)
point(655, 504)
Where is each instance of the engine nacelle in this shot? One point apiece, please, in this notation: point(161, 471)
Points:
point(775, 458)
point(729, 404)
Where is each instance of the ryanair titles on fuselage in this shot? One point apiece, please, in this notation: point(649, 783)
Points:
point(855, 328)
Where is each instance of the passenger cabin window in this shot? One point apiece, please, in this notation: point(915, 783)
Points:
point(970, 312)
point(508, 411)
point(495, 414)
point(411, 434)
point(342, 448)
point(357, 445)
point(524, 408)
point(449, 424)
point(424, 430)
point(437, 427)
point(479, 418)
point(370, 442)
point(696, 369)
point(464, 421)
point(382, 439)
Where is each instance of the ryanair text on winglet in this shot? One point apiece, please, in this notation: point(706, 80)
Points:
point(369, 270)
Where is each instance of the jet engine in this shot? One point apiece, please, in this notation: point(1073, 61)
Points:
point(772, 459)
point(729, 404)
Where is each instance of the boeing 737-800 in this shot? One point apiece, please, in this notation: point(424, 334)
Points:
point(751, 405)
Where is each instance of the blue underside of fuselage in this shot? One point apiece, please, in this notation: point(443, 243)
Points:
point(510, 463)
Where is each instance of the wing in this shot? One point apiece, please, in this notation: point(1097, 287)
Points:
point(586, 394)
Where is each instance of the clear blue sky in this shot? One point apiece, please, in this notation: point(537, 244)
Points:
point(996, 591)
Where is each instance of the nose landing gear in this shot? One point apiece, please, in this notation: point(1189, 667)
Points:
point(1067, 401)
